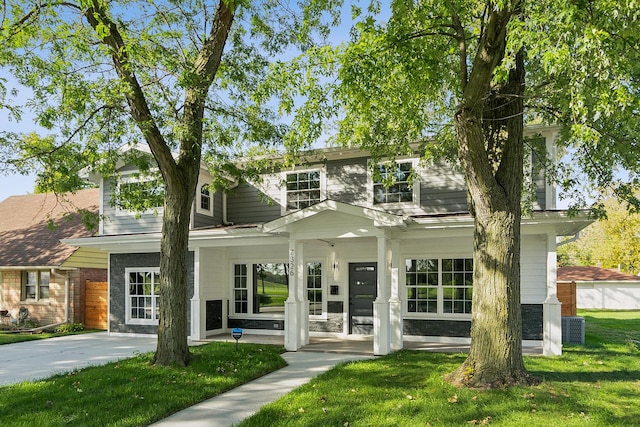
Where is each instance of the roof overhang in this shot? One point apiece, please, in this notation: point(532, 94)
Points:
point(214, 237)
point(560, 223)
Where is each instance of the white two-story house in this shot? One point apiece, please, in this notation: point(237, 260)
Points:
point(328, 250)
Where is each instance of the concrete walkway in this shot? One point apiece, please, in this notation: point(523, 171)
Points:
point(230, 408)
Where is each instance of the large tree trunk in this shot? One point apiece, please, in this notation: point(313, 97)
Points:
point(172, 345)
point(491, 148)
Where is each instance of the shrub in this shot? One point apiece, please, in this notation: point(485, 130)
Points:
point(68, 328)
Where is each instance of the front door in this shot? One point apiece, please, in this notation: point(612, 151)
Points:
point(363, 284)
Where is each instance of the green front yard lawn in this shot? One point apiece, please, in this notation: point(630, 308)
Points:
point(597, 384)
point(132, 392)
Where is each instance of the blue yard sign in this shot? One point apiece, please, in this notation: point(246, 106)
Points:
point(236, 333)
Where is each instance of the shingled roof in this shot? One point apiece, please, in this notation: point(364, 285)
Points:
point(26, 238)
point(592, 274)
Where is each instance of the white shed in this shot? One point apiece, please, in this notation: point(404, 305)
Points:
point(602, 288)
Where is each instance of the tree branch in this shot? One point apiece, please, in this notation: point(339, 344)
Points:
point(108, 31)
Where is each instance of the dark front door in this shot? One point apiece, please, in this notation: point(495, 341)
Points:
point(363, 280)
point(214, 314)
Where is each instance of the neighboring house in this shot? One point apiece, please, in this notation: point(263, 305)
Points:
point(602, 288)
point(38, 271)
point(324, 249)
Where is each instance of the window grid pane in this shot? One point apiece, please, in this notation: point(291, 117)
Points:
point(303, 189)
point(422, 285)
point(314, 288)
point(454, 279)
point(205, 198)
point(241, 294)
point(457, 278)
point(400, 191)
point(144, 292)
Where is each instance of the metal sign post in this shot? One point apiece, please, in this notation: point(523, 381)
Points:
point(236, 333)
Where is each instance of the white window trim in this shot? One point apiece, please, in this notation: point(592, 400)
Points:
point(415, 188)
point(250, 315)
point(128, 319)
point(129, 177)
point(283, 176)
point(199, 209)
point(323, 288)
point(250, 297)
point(440, 315)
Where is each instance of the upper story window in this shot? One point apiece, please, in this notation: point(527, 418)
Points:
point(392, 183)
point(204, 200)
point(303, 189)
point(139, 194)
point(35, 285)
point(439, 286)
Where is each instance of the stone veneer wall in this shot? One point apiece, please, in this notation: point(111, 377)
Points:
point(117, 291)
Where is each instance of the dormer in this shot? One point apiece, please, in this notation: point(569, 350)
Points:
point(145, 183)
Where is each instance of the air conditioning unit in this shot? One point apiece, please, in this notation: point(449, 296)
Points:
point(573, 330)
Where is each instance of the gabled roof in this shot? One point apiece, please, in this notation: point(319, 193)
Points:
point(592, 274)
point(378, 218)
point(26, 240)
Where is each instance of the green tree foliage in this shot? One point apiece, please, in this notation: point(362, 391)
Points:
point(612, 242)
point(462, 77)
point(178, 76)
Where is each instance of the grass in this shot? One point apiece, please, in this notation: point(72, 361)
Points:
point(597, 384)
point(133, 392)
point(10, 338)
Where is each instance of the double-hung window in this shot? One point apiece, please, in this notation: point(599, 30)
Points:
point(139, 194)
point(303, 189)
point(392, 183)
point(35, 285)
point(204, 200)
point(143, 295)
point(439, 286)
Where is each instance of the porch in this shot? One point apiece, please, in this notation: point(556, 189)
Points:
point(362, 345)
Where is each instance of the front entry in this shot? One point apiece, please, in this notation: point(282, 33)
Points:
point(362, 292)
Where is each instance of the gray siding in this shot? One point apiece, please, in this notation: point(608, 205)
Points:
point(442, 190)
point(204, 220)
point(347, 181)
point(117, 291)
point(126, 223)
point(247, 205)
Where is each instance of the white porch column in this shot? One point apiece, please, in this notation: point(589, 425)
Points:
point(395, 302)
point(381, 318)
point(292, 306)
point(552, 335)
point(301, 268)
point(198, 311)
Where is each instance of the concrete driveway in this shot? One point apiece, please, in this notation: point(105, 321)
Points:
point(32, 360)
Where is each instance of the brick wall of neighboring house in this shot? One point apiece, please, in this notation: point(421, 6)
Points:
point(50, 311)
point(11, 290)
